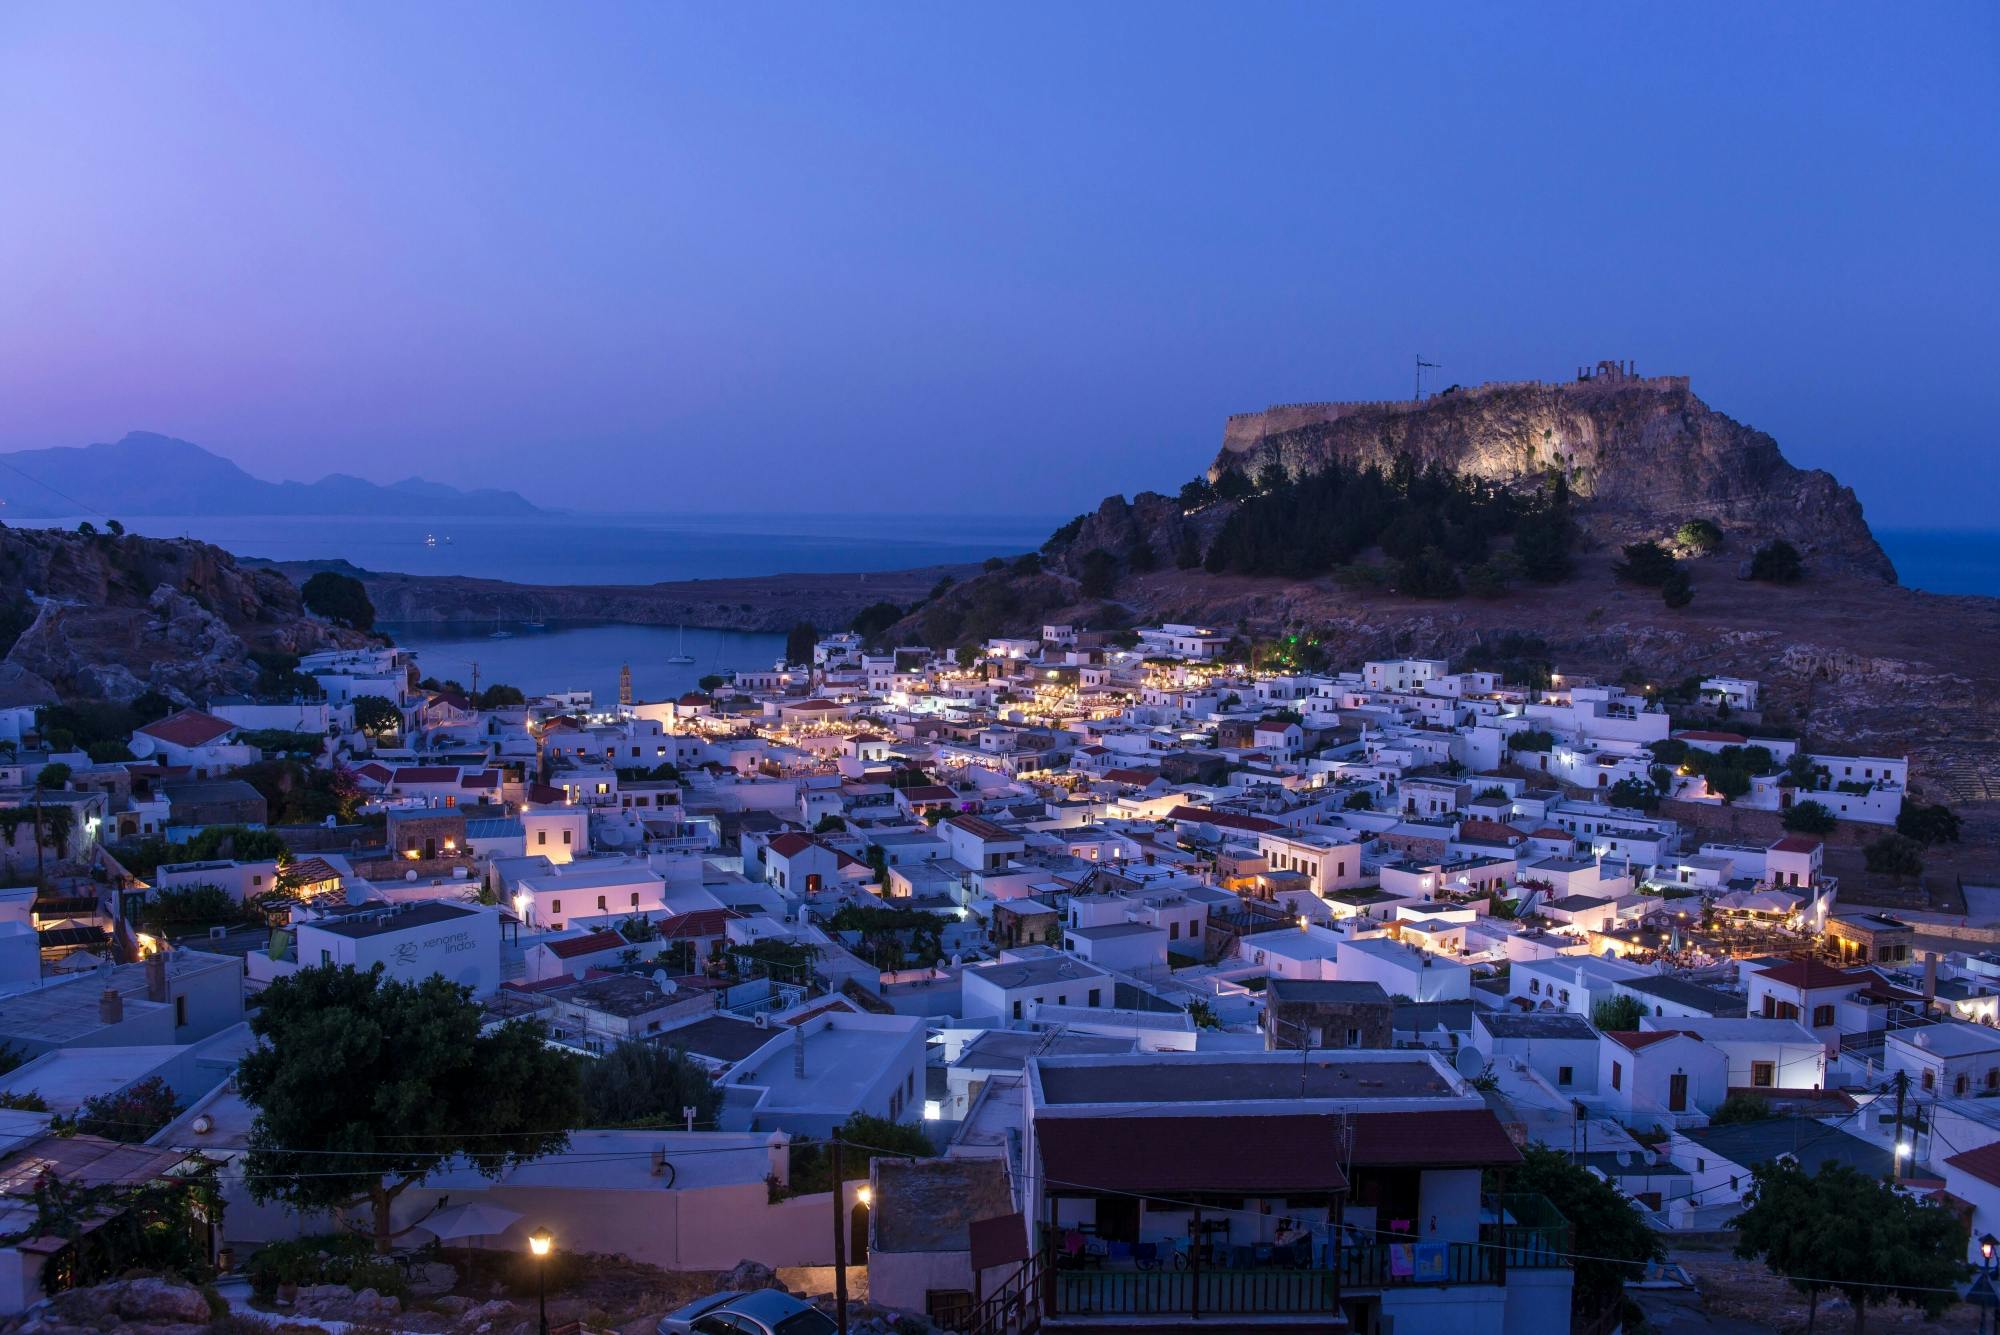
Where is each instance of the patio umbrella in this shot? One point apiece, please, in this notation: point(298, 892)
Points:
point(473, 1220)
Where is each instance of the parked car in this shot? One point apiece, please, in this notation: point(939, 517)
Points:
point(761, 1312)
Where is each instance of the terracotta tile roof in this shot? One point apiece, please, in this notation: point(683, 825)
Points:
point(1230, 1154)
point(541, 794)
point(1633, 1039)
point(1983, 1163)
point(189, 727)
point(1488, 829)
point(1451, 1138)
point(981, 828)
point(815, 706)
point(1811, 975)
point(792, 843)
point(486, 778)
point(1727, 738)
point(929, 792)
point(1795, 843)
point(571, 947)
point(374, 770)
point(1138, 777)
point(701, 922)
point(1227, 820)
point(839, 1005)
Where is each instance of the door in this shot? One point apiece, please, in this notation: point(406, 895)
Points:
point(1677, 1092)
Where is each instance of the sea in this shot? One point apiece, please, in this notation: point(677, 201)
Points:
point(577, 656)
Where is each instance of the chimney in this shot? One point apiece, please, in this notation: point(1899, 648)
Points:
point(1930, 979)
point(111, 1006)
point(156, 976)
point(798, 1050)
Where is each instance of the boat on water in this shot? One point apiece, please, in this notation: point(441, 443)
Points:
point(680, 653)
point(534, 625)
point(500, 632)
point(430, 539)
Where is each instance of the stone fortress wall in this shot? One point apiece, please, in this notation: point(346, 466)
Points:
point(1243, 431)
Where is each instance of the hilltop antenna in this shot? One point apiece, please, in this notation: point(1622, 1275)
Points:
point(1422, 366)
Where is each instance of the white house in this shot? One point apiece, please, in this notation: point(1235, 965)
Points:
point(1761, 1053)
point(1001, 989)
point(1663, 1078)
point(459, 942)
point(1402, 970)
point(1948, 1060)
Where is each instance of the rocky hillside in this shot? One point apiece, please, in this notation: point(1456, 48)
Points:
point(1641, 454)
point(106, 616)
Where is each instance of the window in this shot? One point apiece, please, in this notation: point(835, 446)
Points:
point(541, 836)
point(555, 906)
point(1353, 1038)
point(1822, 1016)
point(1565, 1075)
point(1535, 986)
point(326, 957)
point(1763, 1075)
point(1930, 1080)
point(1958, 1086)
point(1700, 1164)
point(1617, 1076)
point(1173, 931)
point(1017, 1010)
point(566, 836)
point(600, 903)
point(257, 879)
point(180, 1011)
point(635, 899)
point(1095, 994)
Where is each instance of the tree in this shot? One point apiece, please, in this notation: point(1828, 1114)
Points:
point(1606, 1227)
point(1741, 1107)
point(862, 1138)
point(1619, 1013)
point(646, 1084)
point(363, 1086)
point(1233, 485)
point(1843, 1229)
point(1677, 590)
point(709, 683)
point(1808, 818)
point(52, 777)
point(130, 1114)
point(1645, 563)
point(87, 529)
point(1777, 562)
point(1542, 542)
point(1927, 824)
point(1634, 793)
point(1894, 855)
point(874, 620)
point(376, 716)
point(117, 529)
point(1700, 536)
point(1187, 550)
point(799, 642)
point(500, 696)
point(1028, 564)
point(1097, 573)
point(339, 598)
point(1196, 493)
point(1429, 574)
point(1359, 800)
point(829, 824)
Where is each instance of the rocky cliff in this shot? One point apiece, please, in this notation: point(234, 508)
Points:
point(1642, 455)
point(107, 616)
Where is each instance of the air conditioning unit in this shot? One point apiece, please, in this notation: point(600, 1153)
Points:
point(761, 1019)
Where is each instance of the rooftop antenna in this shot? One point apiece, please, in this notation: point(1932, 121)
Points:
point(1422, 366)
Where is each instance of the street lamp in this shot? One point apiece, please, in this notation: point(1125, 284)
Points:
point(539, 1243)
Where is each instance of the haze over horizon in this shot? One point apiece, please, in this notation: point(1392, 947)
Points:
point(941, 260)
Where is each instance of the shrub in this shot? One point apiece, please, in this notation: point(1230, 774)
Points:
point(1532, 739)
point(1741, 1108)
point(1700, 536)
point(1777, 562)
point(1677, 590)
point(1644, 563)
point(339, 598)
point(1927, 824)
point(1895, 855)
point(1808, 818)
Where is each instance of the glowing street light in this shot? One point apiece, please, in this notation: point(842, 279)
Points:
point(539, 1244)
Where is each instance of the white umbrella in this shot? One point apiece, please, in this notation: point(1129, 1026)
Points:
point(473, 1220)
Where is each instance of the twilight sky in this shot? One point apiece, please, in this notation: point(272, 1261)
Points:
point(792, 257)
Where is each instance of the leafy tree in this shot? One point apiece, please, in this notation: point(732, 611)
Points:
point(339, 598)
point(1196, 493)
point(130, 1114)
point(206, 905)
point(1927, 824)
point(363, 1086)
point(874, 620)
point(1202, 1014)
point(53, 777)
point(1359, 800)
point(1808, 818)
point(1700, 536)
point(640, 1084)
point(1843, 1229)
point(712, 682)
point(87, 529)
point(1543, 539)
point(1620, 1013)
point(1029, 563)
point(500, 696)
point(1604, 1225)
point(117, 529)
point(1645, 563)
point(1777, 562)
point(829, 824)
point(1894, 855)
point(799, 642)
point(1742, 1107)
point(1428, 575)
point(942, 587)
point(1097, 573)
point(377, 716)
point(863, 1139)
point(1485, 580)
point(1677, 590)
point(1634, 793)
point(1233, 485)
point(993, 565)
point(1532, 739)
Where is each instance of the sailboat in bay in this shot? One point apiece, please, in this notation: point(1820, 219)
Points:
point(680, 653)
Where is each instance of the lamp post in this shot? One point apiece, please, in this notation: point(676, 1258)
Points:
point(539, 1243)
point(1987, 1244)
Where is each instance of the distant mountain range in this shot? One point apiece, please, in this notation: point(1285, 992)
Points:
point(150, 474)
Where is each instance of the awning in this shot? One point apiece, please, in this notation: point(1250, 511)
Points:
point(1286, 1155)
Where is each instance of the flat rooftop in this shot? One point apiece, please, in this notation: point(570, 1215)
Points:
point(1073, 1081)
point(385, 920)
point(841, 1062)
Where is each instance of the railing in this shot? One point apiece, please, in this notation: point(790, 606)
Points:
point(1391, 1265)
point(1191, 1292)
point(1532, 1234)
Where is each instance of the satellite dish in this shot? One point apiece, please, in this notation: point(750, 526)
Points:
point(1469, 1062)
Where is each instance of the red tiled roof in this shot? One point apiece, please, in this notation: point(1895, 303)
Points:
point(1488, 829)
point(701, 922)
point(1140, 777)
point(1455, 1138)
point(426, 774)
point(792, 843)
point(1729, 738)
point(1635, 1040)
point(543, 795)
point(1811, 975)
point(692, 698)
point(929, 792)
point(981, 828)
point(816, 706)
point(1983, 1163)
point(571, 947)
point(375, 770)
point(839, 1005)
point(1795, 843)
point(865, 737)
point(1227, 820)
point(189, 727)
point(1297, 1152)
point(486, 778)
point(1551, 832)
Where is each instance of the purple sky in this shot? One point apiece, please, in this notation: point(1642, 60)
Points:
point(947, 256)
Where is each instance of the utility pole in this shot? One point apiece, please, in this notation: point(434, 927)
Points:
point(1896, 1150)
point(839, 1240)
